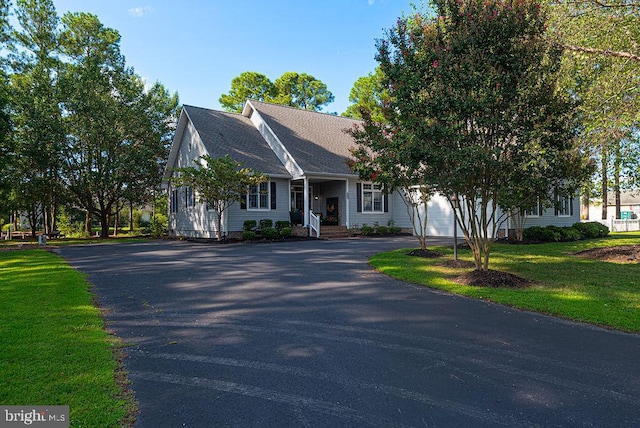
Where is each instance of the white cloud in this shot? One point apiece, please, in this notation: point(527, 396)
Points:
point(371, 2)
point(140, 11)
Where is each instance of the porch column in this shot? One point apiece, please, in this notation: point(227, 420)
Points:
point(347, 221)
point(307, 206)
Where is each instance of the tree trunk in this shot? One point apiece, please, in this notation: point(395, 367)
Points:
point(104, 225)
point(87, 223)
point(130, 217)
point(584, 206)
point(115, 223)
point(605, 194)
point(616, 179)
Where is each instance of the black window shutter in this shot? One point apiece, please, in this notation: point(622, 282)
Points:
point(386, 202)
point(273, 195)
point(359, 197)
point(571, 206)
point(243, 201)
point(540, 210)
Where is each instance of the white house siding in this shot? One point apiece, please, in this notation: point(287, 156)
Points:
point(237, 215)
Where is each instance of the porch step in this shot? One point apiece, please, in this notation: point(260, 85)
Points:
point(330, 232)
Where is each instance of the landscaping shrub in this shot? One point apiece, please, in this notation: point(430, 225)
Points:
point(575, 232)
point(281, 224)
point(266, 223)
point(248, 235)
point(540, 234)
point(249, 225)
point(366, 229)
point(394, 230)
point(286, 232)
point(592, 229)
point(269, 232)
point(382, 230)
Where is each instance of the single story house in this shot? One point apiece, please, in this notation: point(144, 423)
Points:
point(304, 153)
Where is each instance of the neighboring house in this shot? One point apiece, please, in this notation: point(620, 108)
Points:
point(629, 212)
point(304, 153)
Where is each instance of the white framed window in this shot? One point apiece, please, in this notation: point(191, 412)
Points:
point(536, 210)
point(190, 197)
point(564, 206)
point(258, 197)
point(372, 198)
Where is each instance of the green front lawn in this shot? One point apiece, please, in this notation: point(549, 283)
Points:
point(602, 293)
point(53, 346)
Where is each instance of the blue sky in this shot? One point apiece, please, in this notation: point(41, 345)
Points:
point(197, 47)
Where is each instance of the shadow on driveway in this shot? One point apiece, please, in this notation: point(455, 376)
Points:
point(305, 334)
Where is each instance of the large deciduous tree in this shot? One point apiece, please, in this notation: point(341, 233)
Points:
point(218, 182)
point(474, 101)
point(116, 140)
point(602, 70)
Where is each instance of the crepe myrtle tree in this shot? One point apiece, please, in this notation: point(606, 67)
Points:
point(380, 157)
point(473, 95)
point(218, 183)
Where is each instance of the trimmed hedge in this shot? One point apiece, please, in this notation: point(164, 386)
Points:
point(248, 235)
point(269, 232)
point(286, 232)
point(575, 232)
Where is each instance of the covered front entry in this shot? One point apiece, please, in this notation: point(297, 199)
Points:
point(326, 198)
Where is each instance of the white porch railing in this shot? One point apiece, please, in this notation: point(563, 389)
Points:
point(314, 224)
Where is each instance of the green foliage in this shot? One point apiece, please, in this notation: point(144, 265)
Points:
point(286, 232)
point(248, 235)
point(280, 224)
point(249, 225)
point(265, 223)
point(382, 230)
point(592, 229)
point(159, 225)
point(269, 232)
point(368, 96)
point(473, 111)
point(299, 90)
point(248, 85)
point(575, 232)
point(366, 230)
point(68, 227)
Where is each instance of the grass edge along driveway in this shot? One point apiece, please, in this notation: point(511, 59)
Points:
point(580, 289)
point(54, 346)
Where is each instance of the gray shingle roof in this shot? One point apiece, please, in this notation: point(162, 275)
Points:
point(316, 141)
point(234, 135)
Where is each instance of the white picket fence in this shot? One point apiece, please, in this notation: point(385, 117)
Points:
point(624, 225)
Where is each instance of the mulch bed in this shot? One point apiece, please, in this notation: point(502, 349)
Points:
point(619, 254)
point(493, 279)
point(429, 254)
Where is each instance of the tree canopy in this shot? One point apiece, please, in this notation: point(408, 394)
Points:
point(299, 90)
point(87, 130)
point(367, 94)
point(473, 105)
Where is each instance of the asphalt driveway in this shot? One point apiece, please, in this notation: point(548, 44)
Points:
point(304, 334)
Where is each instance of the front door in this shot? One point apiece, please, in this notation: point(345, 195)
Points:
point(332, 216)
